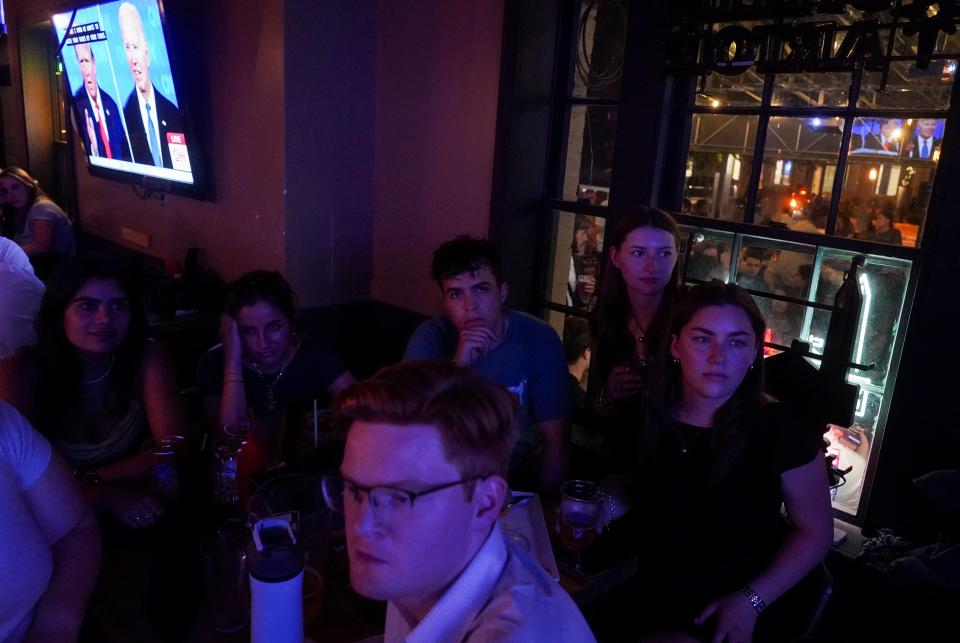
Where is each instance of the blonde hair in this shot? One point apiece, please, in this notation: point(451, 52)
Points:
point(476, 419)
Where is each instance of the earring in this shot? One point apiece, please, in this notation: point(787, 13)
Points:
point(676, 361)
point(751, 367)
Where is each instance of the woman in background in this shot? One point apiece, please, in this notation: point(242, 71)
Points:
point(31, 219)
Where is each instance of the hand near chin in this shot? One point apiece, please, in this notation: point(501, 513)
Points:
point(733, 616)
point(473, 344)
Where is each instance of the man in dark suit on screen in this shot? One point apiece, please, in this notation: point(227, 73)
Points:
point(925, 145)
point(148, 113)
point(98, 118)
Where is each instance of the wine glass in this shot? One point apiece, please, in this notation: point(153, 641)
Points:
point(581, 509)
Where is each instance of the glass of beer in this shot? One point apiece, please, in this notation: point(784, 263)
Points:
point(581, 510)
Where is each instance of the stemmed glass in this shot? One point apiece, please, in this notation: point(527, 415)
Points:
point(581, 510)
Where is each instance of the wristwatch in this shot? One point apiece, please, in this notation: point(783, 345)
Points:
point(754, 599)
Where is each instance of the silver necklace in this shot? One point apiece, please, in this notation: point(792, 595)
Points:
point(271, 401)
point(106, 373)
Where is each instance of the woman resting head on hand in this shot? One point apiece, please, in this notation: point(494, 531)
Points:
point(263, 365)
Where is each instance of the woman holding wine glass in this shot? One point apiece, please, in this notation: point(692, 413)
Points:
point(717, 459)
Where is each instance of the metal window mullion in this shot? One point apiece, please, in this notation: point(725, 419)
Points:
point(841, 171)
point(759, 143)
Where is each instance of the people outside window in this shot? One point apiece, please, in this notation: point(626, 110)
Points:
point(31, 219)
point(520, 352)
point(148, 113)
point(49, 545)
point(263, 366)
point(883, 230)
point(717, 461)
point(20, 294)
point(98, 117)
point(422, 486)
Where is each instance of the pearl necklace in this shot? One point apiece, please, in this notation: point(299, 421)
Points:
point(106, 373)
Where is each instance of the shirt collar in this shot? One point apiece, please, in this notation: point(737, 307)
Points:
point(450, 618)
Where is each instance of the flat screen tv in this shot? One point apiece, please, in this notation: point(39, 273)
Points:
point(127, 105)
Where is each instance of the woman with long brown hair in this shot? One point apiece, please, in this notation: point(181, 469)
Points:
point(639, 285)
point(717, 460)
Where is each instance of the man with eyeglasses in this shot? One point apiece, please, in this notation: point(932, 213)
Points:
point(520, 352)
point(421, 489)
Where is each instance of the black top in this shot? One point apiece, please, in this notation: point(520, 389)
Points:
point(705, 536)
point(313, 369)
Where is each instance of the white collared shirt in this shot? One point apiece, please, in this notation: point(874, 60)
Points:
point(502, 595)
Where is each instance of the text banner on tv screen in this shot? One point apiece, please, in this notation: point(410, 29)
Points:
point(123, 95)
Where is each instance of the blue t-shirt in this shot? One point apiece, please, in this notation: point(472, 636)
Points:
point(529, 363)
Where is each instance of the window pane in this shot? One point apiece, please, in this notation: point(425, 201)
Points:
point(779, 269)
point(601, 35)
point(577, 249)
point(811, 90)
point(709, 256)
point(796, 180)
point(589, 164)
point(742, 90)
point(889, 178)
point(718, 165)
point(909, 87)
point(883, 283)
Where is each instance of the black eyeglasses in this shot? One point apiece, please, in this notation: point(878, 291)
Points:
point(386, 501)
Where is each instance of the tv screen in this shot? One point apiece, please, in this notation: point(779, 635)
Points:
point(125, 100)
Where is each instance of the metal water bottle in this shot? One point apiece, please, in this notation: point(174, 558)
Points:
point(275, 562)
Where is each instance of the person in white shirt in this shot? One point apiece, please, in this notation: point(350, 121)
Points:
point(421, 489)
point(49, 544)
point(20, 295)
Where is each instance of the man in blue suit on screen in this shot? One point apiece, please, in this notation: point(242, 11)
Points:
point(148, 113)
point(98, 118)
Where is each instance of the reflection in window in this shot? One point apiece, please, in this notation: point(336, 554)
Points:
point(742, 90)
point(589, 164)
point(889, 178)
point(601, 37)
point(909, 87)
point(811, 90)
point(883, 286)
point(781, 272)
point(718, 165)
point(578, 247)
point(709, 256)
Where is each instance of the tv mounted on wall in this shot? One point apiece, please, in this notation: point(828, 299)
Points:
point(126, 102)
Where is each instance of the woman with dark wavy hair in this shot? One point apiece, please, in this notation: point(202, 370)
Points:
point(96, 386)
point(717, 459)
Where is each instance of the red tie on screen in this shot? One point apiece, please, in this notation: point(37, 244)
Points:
point(103, 130)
